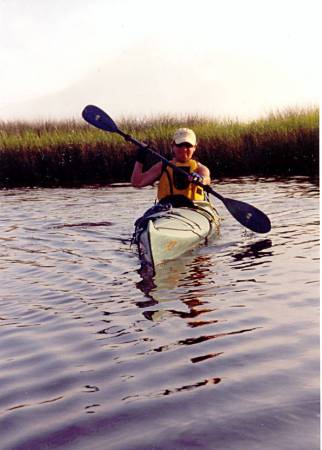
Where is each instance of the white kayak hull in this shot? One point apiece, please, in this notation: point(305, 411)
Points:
point(168, 234)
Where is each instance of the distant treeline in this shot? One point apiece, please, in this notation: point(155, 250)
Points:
point(74, 154)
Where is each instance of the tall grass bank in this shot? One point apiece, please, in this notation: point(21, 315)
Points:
point(74, 153)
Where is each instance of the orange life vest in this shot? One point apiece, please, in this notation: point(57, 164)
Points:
point(175, 183)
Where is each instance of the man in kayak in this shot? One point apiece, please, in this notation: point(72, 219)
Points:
point(172, 182)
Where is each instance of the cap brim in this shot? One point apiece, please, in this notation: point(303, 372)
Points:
point(181, 141)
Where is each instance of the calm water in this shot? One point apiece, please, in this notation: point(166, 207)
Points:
point(219, 351)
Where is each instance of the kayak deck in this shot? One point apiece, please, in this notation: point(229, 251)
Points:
point(165, 232)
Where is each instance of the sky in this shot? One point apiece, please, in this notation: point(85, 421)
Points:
point(217, 58)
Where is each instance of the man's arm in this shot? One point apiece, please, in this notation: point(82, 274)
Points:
point(140, 179)
point(204, 172)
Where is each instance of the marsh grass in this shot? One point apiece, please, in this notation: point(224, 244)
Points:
point(73, 154)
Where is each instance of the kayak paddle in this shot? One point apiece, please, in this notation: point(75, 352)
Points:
point(249, 216)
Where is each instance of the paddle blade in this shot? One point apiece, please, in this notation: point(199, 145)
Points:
point(249, 216)
point(97, 117)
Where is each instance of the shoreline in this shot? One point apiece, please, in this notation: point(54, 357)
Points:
point(68, 154)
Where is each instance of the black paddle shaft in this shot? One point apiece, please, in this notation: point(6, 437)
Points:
point(246, 214)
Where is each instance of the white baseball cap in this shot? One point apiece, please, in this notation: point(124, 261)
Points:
point(184, 135)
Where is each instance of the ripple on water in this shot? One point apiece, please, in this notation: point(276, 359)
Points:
point(220, 349)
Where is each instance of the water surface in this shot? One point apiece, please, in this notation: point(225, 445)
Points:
point(220, 350)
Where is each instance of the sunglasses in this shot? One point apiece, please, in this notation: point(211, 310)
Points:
point(183, 145)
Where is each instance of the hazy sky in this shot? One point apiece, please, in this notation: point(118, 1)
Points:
point(228, 58)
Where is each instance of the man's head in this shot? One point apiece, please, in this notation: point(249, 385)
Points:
point(184, 135)
point(184, 144)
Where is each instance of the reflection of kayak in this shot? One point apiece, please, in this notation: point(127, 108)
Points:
point(165, 231)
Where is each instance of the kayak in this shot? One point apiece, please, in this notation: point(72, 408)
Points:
point(168, 230)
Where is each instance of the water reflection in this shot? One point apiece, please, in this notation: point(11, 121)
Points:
point(189, 272)
point(254, 250)
point(188, 278)
point(188, 269)
point(84, 225)
point(174, 390)
point(203, 346)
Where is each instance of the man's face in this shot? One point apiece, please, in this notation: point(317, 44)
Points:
point(183, 152)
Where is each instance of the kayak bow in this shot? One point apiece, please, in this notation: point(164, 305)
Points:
point(165, 232)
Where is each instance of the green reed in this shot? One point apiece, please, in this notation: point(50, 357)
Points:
point(72, 153)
